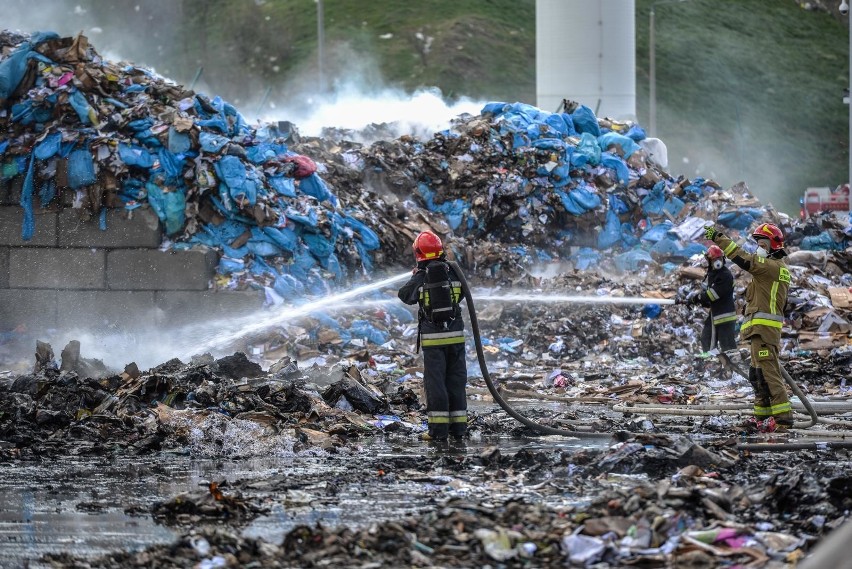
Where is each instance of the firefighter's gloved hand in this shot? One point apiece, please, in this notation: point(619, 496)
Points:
point(692, 298)
point(710, 232)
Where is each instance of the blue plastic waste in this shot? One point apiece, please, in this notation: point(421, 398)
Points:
point(28, 227)
point(168, 205)
point(135, 156)
point(48, 147)
point(611, 233)
point(633, 260)
point(494, 108)
point(585, 121)
point(363, 329)
point(654, 202)
point(673, 205)
point(743, 218)
point(657, 232)
point(823, 242)
point(314, 186)
point(81, 168)
point(610, 160)
point(211, 142)
point(636, 133)
point(579, 200)
point(13, 68)
point(627, 145)
point(81, 106)
point(652, 310)
point(587, 151)
point(586, 258)
point(179, 142)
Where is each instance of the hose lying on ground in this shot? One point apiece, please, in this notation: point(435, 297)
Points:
point(474, 324)
point(793, 385)
point(778, 447)
point(480, 354)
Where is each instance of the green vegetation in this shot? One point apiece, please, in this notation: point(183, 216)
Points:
point(752, 90)
point(746, 89)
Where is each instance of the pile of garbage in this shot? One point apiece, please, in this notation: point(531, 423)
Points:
point(106, 138)
point(651, 500)
point(511, 188)
point(224, 407)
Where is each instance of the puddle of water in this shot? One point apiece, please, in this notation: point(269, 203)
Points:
point(76, 505)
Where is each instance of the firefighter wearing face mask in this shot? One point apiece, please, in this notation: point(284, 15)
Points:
point(766, 296)
point(717, 294)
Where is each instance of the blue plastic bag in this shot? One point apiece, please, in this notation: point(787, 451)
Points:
point(179, 142)
point(652, 310)
point(314, 186)
point(81, 106)
point(28, 227)
point(610, 160)
point(363, 329)
point(283, 237)
point(585, 121)
point(81, 168)
point(611, 232)
point(586, 258)
point(627, 146)
point(48, 147)
point(741, 219)
point(169, 206)
point(135, 155)
point(655, 200)
point(633, 260)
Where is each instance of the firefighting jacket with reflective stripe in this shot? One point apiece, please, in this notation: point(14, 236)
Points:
point(719, 296)
point(766, 294)
point(432, 335)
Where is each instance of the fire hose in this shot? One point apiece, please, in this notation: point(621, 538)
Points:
point(492, 389)
point(480, 354)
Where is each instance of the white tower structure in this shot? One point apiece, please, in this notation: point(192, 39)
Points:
point(586, 52)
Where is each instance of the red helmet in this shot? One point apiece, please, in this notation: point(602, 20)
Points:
point(771, 232)
point(714, 252)
point(427, 246)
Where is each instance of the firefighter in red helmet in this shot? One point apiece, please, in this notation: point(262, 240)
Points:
point(766, 296)
point(436, 288)
point(717, 294)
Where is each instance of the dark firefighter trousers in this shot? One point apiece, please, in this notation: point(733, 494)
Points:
point(444, 378)
point(724, 334)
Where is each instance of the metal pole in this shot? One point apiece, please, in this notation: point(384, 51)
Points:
point(652, 81)
point(320, 44)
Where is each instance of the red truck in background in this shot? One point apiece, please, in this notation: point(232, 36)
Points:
point(817, 200)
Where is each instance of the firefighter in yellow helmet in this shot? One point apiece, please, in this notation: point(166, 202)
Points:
point(766, 296)
point(435, 286)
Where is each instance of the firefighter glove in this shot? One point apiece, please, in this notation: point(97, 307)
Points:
point(710, 232)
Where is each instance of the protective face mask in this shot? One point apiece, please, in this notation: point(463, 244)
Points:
point(760, 252)
point(717, 264)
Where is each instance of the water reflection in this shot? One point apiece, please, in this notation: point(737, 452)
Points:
point(78, 505)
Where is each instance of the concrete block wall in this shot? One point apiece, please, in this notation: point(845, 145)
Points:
point(73, 275)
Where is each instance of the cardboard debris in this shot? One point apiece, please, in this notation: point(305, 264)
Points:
point(840, 297)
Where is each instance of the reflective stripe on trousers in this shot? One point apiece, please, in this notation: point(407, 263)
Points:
point(725, 317)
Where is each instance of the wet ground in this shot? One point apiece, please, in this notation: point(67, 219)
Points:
point(217, 463)
point(87, 506)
